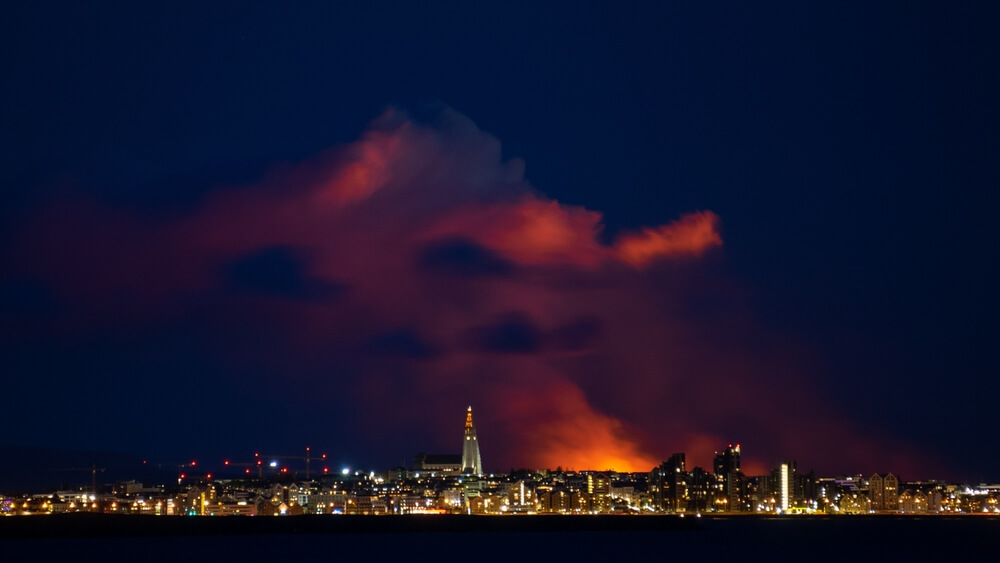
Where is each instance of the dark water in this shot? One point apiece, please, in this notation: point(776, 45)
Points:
point(841, 539)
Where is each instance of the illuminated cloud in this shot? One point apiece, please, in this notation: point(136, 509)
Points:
point(416, 268)
point(529, 231)
point(692, 234)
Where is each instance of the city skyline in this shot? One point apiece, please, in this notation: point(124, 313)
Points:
point(619, 231)
point(670, 487)
point(453, 484)
point(275, 485)
point(725, 470)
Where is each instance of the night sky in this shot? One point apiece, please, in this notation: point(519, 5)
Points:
point(618, 230)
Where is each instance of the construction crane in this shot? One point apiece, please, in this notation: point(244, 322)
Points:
point(258, 463)
point(306, 457)
point(182, 469)
point(93, 474)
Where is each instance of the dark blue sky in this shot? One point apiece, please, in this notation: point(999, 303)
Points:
point(849, 151)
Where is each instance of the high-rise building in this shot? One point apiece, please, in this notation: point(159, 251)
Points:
point(700, 488)
point(471, 462)
point(779, 489)
point(668, 484)
point(786, 485)
point(728, 460)
point(728, 479)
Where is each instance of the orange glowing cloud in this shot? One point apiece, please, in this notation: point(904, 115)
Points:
point(417, 268)
point(535, 231)
point(530, 231)
point(692, 234)
point(367, 169)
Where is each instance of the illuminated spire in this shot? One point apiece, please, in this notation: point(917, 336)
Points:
point(471, 462)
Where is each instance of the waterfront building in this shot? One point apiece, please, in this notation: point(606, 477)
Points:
point(623, 493)
point(700, 486)
point(521, 496)
point(913, 502)
point(554, 500)
point(883, 491)
point(853, 503)
point(728, 480)
point(599, 490)
point(785, 485)
point(668, 484)
point(778, 491)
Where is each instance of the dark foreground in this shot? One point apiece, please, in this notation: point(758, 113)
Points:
point(83, 525)
point(482, 539)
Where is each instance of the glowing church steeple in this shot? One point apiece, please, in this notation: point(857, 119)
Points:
point(471, 462)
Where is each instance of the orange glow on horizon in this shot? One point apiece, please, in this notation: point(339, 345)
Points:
point(609, 458)
point(561, 429)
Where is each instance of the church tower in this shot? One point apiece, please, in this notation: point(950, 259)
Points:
point(471, 462)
